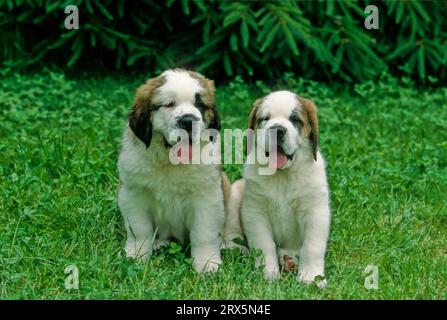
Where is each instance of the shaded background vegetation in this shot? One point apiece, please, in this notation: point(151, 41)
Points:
point(323, 40)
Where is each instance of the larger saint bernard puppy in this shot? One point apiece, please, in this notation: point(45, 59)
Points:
point(286, 214)
point(161, 199)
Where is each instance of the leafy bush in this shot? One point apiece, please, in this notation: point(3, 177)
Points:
point(314, 39)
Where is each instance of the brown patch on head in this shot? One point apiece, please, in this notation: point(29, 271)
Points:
point(208, 85)
point(209, 110)
point(310, 123)
point(140, 115)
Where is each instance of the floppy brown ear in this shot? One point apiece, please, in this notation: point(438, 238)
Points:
point(311, 112)
point(210, 88)
point(215, 119)
point(209, 100)
point(252, 124)
point(140, 115)
point(141, 125)
point(253, 112)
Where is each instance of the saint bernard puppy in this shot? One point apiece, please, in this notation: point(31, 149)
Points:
point(286, 214)
point(162, 200)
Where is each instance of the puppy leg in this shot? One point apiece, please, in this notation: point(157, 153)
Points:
point(232, 227)
point(316, 230)
point(204, 235)
point(135, 211)
point(259, 236)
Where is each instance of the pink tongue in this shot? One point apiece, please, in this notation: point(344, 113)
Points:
point(277, 159)
point(184, 157)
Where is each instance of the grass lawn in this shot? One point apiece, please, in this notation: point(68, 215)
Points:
point(386, 148)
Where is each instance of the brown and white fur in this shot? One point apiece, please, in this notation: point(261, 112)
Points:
point(286, 214)
point(159, 200)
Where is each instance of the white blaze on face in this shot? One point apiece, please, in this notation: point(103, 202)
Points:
point(179, 85)
point(276, 109)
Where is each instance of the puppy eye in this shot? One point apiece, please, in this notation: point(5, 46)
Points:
point(265, 119)
point(295, 119)
point(170, 104)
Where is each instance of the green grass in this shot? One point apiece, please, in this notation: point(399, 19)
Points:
point(386, 148)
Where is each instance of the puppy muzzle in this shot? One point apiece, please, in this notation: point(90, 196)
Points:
point(188, 122)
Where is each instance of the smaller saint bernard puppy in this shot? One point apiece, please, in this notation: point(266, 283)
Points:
point(286, 214)
point(160, 200)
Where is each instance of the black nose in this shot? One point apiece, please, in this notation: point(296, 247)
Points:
point(185, 122)
point(280, 131)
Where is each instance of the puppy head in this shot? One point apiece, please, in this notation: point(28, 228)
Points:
point(290, 123)
point(177, 99)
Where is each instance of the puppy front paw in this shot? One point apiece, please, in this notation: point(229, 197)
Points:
point(230, 244)
point(312, 275)
point(271, 273)
point(203, 265)
point(160, 243)
point(137, 251)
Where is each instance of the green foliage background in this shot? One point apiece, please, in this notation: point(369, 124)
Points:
point(323, 40)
